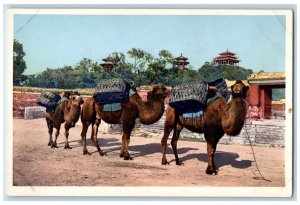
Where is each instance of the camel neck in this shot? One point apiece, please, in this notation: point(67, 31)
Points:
point(74, 113)
point(151, 111)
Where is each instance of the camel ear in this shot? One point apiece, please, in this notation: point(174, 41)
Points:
point(245, 90)
point(154, 89)
point(232, 87)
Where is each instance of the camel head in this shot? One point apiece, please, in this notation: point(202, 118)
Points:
point(65, 94)
point(239, 89)
point(160, 91)
point(76, 100)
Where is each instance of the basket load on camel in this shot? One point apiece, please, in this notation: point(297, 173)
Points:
point(50, 100)
point(112, 92)
point(193, 97)
point(115, 90)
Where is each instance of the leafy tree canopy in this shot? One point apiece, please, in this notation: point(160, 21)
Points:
point(19, 64)
point(140, 66)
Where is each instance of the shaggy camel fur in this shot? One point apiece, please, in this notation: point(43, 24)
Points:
point(149, 112)
point(218, 118)
point(68, 112)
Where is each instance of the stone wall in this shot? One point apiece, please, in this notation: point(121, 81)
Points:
point(260, 132)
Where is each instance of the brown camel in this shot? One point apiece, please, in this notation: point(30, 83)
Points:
point(218, 118)
point(67, 111)
point(149, 112)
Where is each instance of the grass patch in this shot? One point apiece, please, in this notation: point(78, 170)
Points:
point(82, 91)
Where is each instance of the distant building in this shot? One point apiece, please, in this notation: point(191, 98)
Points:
point(226, 58)
point(181, 62)
point(260, 94)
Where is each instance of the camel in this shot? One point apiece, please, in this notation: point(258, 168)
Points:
point(218, 118)
point(67, 111)
point(149, 112)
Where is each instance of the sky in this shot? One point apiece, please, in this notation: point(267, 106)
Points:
point(53, 41)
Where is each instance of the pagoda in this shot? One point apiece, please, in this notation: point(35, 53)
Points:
point(226, 58)
point(181, 62)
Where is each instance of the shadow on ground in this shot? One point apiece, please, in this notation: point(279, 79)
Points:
point(113, 144)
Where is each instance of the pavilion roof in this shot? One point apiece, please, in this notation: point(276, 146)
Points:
point(226, 55)
point(221, 58)
point(227, 52)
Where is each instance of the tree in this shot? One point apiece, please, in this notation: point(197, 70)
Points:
point(19, 65)
point(212, 71)
point(82, 73)
point(157, 71)
point(140, 59)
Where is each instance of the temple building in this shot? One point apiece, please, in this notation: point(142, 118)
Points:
point(260, 93)
point(226, 58)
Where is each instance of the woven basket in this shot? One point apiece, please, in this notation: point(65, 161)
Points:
point(48, 100)
point(115, 90)
point(189, 97)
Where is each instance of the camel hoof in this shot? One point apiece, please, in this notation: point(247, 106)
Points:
point(102, 154)
point(165, 162)
point(212, 171)
point(67, 146)
point(128, 158)
point(54, 146)
point(121, 155)
point(50, 144)
point(85, 152)
point(179, 163)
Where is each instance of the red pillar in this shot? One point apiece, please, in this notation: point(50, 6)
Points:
point(253, 99)
point(254, 95)
point(266, 102)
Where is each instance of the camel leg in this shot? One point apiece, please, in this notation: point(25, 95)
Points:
point(94, 136)
point(122, 146)
point(127, 128)
point(212, 138)
point(67, 128)
point(167, 130)
point(85, 127)
point(50, 131)
point(54, 144)
point(174, 140)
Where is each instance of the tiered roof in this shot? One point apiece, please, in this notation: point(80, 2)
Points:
point(181, 59)
point(227, 57)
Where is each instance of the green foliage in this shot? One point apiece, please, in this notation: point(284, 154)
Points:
point(211, 71)
point(139, 66)
point(19, 65)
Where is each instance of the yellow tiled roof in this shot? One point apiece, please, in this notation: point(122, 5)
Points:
point(263, 75)
point(282, 101)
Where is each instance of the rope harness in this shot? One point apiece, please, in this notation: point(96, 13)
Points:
point(259, 176)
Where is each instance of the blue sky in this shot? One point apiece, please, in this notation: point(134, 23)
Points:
point(52, 41)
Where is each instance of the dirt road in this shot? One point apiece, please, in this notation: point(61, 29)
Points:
point(36, 164)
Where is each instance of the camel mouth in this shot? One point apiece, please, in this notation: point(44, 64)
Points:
point(237, 91)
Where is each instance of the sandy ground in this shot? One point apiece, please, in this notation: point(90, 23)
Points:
point(36, 164)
